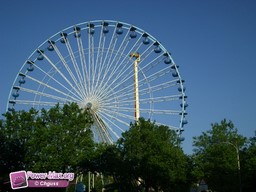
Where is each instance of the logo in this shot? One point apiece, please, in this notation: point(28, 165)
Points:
point(22, 179)
point(18, 179)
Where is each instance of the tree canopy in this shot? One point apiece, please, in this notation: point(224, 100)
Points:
point(152, 155)
point(146, 157)
point(217, 152)
point(55, 139)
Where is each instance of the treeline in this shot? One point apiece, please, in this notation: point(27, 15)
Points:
point(147, 157)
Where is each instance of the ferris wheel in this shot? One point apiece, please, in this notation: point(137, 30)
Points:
point(115, 70)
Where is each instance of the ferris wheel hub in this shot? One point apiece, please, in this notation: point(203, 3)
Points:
point(91, 103)
point(88, 105)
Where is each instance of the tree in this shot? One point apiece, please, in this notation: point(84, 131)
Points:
point(216, 156)
point(48, 140)
point(64, 138)
point(249, 166)
point(151, 155)
point(147, 156)
point(15, 132)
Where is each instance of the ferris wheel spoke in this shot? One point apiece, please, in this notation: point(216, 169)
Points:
point(47, 95)
point(124, 73)
point(75, 83)
point(128, 76)
point(109, 116)
point(29, 102)
point(115, 78)
point(158, 87)
point(101, 75)
point(108, 56)
point(97, 71)
point(51, 77)
point(109, 85)
point(143, 80)
point(119, 78)
point(119, 99)
point(120, 50)
point(109, 128)
point(151, 65)
point(112, 126)
point(144, 110)
point(82, 61)
point(124, 103)
point(162, 99)
point(130, 101)
point(113, 73)
point(137, 45)
point(146, 53)
point(90, 60)
point(52, 88)
point(122, 109)
point(155, 76)
point(93, 65)
point(118, 56)
point(61, 74)
point(124, 91)
point(123, 66)
point(99, 59)
point(101, 129)
point(160, 111)
point(74, 64)
point(119, 111)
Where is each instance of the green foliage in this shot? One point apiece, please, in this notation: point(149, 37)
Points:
point(146, 156)
point(248, 166)
point(215, 156)
point(151, 155)
point(15, 133)
point(46, 140)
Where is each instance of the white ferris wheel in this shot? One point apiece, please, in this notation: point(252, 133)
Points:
point(116, 70)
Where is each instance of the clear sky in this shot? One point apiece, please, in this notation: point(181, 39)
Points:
point(213, 42)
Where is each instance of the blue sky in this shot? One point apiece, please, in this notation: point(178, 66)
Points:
point(213, 42)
